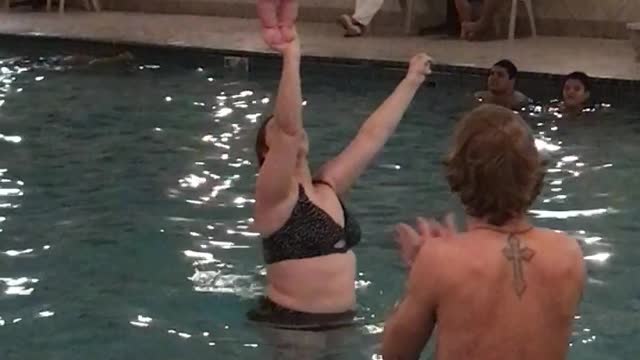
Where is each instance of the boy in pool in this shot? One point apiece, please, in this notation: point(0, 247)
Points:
point(501, 87)
point(576, 92)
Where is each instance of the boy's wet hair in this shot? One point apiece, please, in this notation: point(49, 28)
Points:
point(580, 76)
point(512, 70)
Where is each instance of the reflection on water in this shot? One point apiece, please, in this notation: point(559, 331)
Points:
point(20, 286)
point(212, 183)
point(586, 196)
point(11, 193)
point(126, 195)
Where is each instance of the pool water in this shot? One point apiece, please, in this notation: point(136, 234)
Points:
point(126, 193)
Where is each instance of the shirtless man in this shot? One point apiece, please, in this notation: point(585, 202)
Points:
point(501, 87)
point(503, 289)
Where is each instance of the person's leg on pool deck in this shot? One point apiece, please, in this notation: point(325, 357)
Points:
point(451, 24)
point(473, 29)
point(366, 10)
point(363, 14)
point(464, 11)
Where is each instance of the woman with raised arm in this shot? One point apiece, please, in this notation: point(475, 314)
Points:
point(307, 232)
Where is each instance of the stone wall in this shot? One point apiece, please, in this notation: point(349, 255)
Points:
point(593, 18)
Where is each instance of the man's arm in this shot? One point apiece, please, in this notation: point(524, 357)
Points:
point(409, 328)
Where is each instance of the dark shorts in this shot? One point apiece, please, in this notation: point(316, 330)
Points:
point(269, 313)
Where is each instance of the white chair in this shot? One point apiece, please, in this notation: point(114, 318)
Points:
point(87, 4)
point(514, 15)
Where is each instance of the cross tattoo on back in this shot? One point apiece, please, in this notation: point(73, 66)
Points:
point(516, 254)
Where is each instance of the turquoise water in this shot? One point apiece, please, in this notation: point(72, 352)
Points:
point(126, 192)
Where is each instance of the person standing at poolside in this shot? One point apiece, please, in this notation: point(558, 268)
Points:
point(476, 17)
point(503, 289)
point(357, 24)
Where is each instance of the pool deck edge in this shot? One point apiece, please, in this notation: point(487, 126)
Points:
point(545, 57)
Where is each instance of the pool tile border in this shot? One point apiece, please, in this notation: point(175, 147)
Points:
point(618, 84)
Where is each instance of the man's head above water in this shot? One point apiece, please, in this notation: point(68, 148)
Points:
point(502, 78)
point(576, 90)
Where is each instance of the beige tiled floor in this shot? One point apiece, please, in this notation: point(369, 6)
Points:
point(598, 57)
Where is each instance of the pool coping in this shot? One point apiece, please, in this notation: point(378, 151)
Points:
point(322, 59)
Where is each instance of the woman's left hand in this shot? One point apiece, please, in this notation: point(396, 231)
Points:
point(291, 48)
point(419, 68)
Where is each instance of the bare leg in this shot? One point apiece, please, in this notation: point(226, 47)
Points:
point(464, 10)
point(464, 15)
point(489, 8)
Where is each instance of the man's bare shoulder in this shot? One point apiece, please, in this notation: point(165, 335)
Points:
point(432, 256)
point(520, 98)
point(562, 248)
point(560, 240)
point(561, 258)
point(443, 258)
point(464, 249)
point(482, 95)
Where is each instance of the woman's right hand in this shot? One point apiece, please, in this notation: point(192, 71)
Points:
point(419, 68)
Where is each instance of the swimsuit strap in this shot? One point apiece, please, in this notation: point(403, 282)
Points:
point(323, 182)
point(518, 232)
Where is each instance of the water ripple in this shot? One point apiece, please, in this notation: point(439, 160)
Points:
point(143, 184)
point(18, 286)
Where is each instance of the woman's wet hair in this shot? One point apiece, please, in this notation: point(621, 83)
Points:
point(493, 165)
point(261, 140)
point(584, 79)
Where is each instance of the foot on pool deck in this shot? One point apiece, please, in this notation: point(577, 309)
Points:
point(351, 27)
